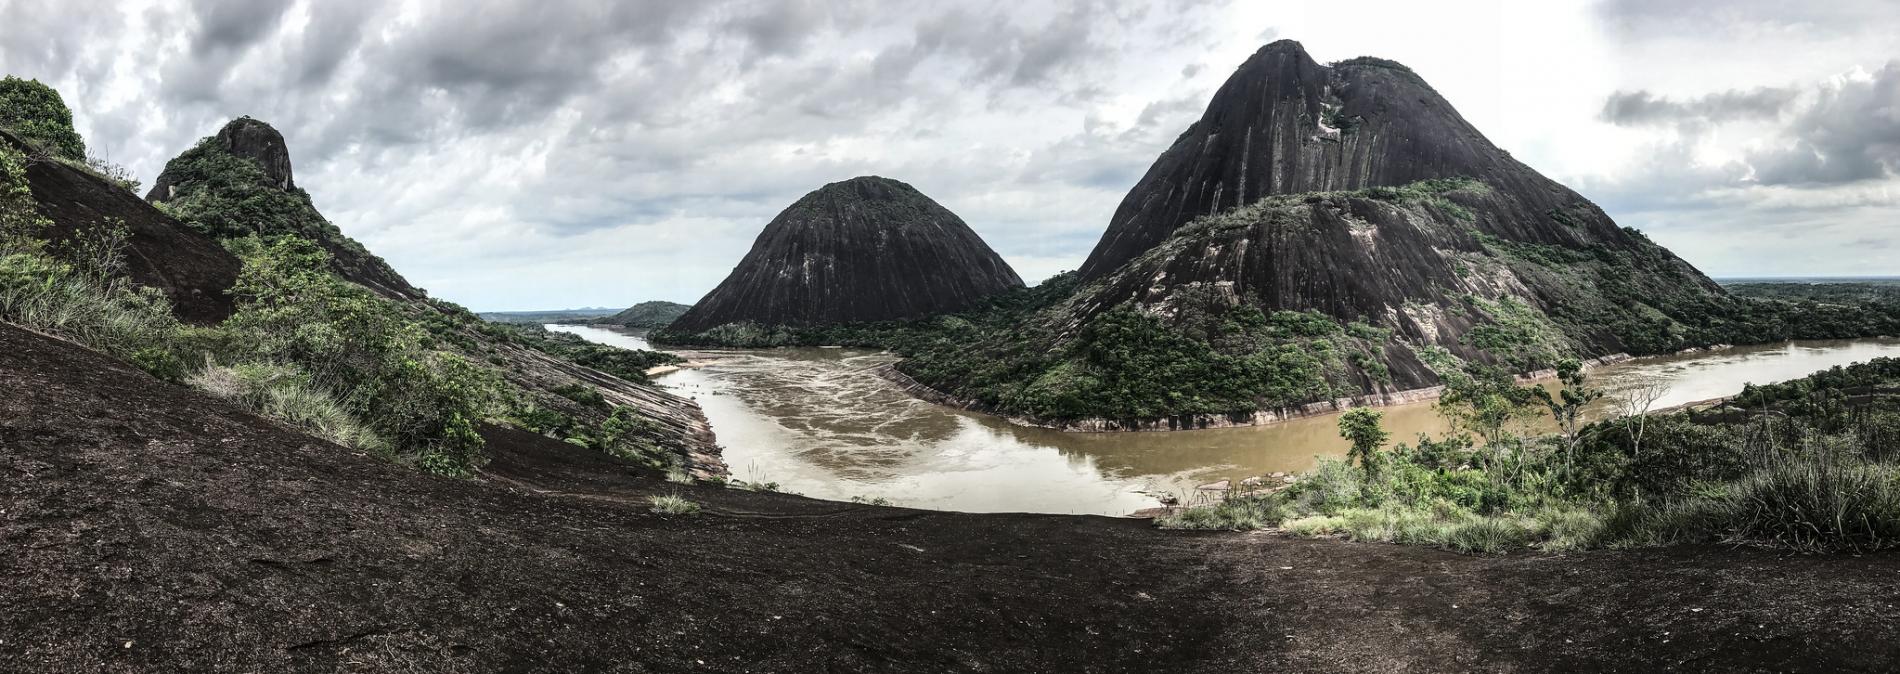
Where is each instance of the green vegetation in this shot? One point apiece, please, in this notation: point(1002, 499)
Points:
point(406, 380)
point(646, 315)
point(1124, 364)
point(39, 116)
point(385, 366)
point(78, 292)
point(672, 504)
point(304, 346)
point(1811, 465)
point(1361, 427)
point(552, 316)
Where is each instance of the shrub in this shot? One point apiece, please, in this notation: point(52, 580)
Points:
point(293, 310)
point(672, 504)
point(1488, 535)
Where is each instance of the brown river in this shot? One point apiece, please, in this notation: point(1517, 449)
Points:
point(820, 423)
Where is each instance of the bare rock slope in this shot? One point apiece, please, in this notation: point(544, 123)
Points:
point(865, 249)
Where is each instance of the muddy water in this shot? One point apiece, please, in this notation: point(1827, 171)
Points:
point(818, 422)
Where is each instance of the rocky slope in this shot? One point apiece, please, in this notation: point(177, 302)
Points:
point(865, 249)
point(192, 269)
point(153, 529)
point(1477, 227)
point(245, 169)
point(243, 175)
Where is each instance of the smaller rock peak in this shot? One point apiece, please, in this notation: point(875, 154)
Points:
point(257, 141)
point(1283, 46)
point(868, 187)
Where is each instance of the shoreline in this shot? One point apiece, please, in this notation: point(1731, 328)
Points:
point(1198, 422)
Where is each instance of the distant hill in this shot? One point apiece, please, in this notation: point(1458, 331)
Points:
point(548, 316)
point(646, 315)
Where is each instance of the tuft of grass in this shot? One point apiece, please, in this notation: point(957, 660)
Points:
point(1236, 514)
point(1818, 502)
point(673, 504)
point(286, 394)
point(678, 475)
point(876, 501)
point(1489, 535)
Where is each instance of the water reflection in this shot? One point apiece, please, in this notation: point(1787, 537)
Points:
point(818, 422)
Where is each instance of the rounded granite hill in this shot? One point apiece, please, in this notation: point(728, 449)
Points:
point(864, 249)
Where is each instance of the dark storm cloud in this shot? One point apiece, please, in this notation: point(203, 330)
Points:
point(1637, 108)
point(224, 25)
point(1851, 133)
point(1842, 131)
point(331, 37)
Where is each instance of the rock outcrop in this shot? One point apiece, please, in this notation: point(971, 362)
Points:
point(865, 249)
point(247, 138)
point(245, 170)
point(1406, 218)
point(1284, 124)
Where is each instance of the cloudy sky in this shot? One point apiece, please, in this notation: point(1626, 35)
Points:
point(518, 154)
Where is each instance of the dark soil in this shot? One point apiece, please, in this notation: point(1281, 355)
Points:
point(148, 528)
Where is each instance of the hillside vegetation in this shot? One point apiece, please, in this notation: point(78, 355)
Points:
point(386, 373)
point(645, 315)
point(1810, 465)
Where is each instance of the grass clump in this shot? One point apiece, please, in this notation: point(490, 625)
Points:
point(286, 394)
point(672, 504)
point(1234, 514)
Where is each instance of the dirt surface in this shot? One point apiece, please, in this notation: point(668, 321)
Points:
point(151, 529)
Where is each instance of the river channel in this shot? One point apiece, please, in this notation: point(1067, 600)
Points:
point(820, 423)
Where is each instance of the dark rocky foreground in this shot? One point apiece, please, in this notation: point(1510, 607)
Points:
point(864, 249)
point(151, 529)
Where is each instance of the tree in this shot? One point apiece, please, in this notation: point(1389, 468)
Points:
point(1635, 404)
point(1484, 400)
point(36, 113)
point(1566, 405)
point(1362, 427)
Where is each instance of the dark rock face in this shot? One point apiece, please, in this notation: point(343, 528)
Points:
point(1284, 124)
point(865, 249)
point(192, 269)
point(1421, 266)
point(1355, 192)
point(247, 138)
